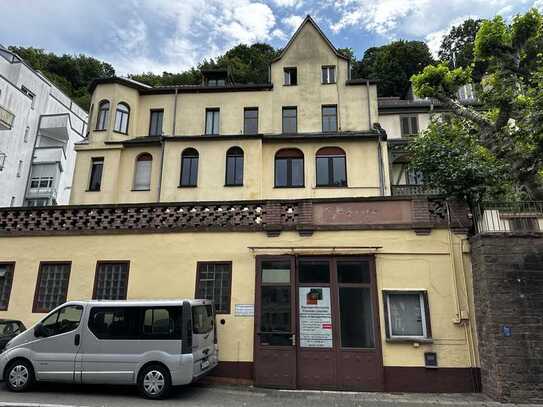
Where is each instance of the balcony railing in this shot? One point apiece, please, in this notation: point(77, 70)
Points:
point(509, 217)
point(6, 119)
point(413, 189)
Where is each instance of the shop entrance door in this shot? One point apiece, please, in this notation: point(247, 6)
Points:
point(317, 323)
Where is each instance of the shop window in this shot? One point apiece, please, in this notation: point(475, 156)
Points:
point(331, 167)
point(189, 168)
point(142, 172)
point(289, 168)
point(407, 315)
point(111, 281)
point(52, 286)
point(234, 167)
point(6, 280)
point(314, 271)
point(213, 282)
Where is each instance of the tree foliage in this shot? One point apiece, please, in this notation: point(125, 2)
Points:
point(71, 73)
point(507, 123)
point(457, 47)
point(393, 65)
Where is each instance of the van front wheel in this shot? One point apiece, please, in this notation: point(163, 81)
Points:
point(19, 376)
point(154, 382)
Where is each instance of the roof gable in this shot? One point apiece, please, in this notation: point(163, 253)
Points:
point(309, 20)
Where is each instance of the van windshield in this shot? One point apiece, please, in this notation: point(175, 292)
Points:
point(202, 319)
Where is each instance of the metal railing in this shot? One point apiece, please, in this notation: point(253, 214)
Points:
point(413, 189)
point(509, 217)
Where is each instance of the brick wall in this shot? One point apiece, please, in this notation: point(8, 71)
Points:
point(508, 286)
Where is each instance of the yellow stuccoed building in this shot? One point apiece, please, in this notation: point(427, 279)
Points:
point(274, 200)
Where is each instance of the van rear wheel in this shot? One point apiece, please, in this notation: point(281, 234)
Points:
point(19, 376)
point(154, 382)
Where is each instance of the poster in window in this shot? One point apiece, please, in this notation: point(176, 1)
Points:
point(315, 317)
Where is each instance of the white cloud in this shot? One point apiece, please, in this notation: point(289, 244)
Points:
point(288, 3)
point(434, 39)
point(293, 22)
point(538, 4)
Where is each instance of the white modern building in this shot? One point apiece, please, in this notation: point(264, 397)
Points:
point(38, 128)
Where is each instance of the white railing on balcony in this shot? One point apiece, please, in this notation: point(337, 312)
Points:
point(509, 217)
point(6, 119)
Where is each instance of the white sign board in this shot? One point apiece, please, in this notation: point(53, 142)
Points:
point(315, 317)
point(244, 310)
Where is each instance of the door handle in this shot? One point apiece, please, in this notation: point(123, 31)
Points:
point(77, 339)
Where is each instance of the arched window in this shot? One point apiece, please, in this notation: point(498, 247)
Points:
point(142, 172)
point(121, 118)
point(234, 167)
point(331, 167)
point(289, 168)
point(103, 115)
point(189, 168)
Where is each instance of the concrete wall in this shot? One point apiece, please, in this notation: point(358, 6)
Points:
point(508, 280)
point(164, 266)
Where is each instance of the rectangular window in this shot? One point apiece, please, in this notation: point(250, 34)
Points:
point(6, 280)
point(213, 282)
point(331, 171)
point(250, 120)
point(212, 121)
point(111, 280)
point(290, 120)
point(52, 286)
point(407, 315)
point(30, 94)
point(328, 74)
point(41, 182)
point(410, 125)
point(329, 118)
point(97, 165)
point(155, 124)
point(290, 76)
point(20, 168)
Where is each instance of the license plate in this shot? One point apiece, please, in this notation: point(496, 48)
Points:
point(205, 364)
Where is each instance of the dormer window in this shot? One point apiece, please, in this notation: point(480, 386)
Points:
point(328, 74)
point(215, 77)
point(291, 76)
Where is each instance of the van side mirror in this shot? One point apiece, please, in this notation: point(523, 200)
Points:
point(39, 332)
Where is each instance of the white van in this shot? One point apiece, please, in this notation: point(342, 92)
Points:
point(153, 344)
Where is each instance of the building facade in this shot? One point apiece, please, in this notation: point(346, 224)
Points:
point(39, 126)
point(273, 200)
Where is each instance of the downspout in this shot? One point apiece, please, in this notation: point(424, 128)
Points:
point(379, 148)
point(162, 147)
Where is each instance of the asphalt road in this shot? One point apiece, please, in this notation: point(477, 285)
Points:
point(224, 396)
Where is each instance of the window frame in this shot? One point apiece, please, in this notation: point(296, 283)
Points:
point(230, 155)
point(199, 269)
point(289, 168)
point(93, 161)
point(140, 158)
point(287, 72)
point(425, 317)
point(250, 109)
point(284, 108)
point(323, 116)
point(11, 270)
point(99, 263)
point(105, 112)
point(183, 157)
point(35, 308)
point(156, 111)
point(410, 118)
point(123, 113)
point(330, 162)
point(213, 110)
point(327, 69)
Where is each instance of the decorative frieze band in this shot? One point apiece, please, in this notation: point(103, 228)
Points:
point(271, 217)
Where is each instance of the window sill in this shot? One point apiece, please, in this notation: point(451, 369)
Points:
point(187, 186)
point(141, 190)
point(407, 339)
point(92, 190)
point(233, 185)
point(328, 83)
point(284, 84)
point(100, 130)
point(120, 132)
point(331, 187)
point(289, 187)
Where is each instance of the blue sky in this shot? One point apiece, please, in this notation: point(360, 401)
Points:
point(173, 35)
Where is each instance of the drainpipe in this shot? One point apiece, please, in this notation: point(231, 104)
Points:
point(379, 148)
point(162, 146)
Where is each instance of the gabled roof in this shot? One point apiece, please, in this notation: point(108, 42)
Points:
point(309, 20)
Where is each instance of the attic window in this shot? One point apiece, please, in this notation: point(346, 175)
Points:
point(216, 82)
point(291, 76)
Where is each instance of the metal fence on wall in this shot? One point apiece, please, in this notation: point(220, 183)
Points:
point(500, 217)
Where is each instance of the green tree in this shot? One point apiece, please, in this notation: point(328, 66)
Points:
point(507, 123)
point(458, 45)
point(393, 65)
